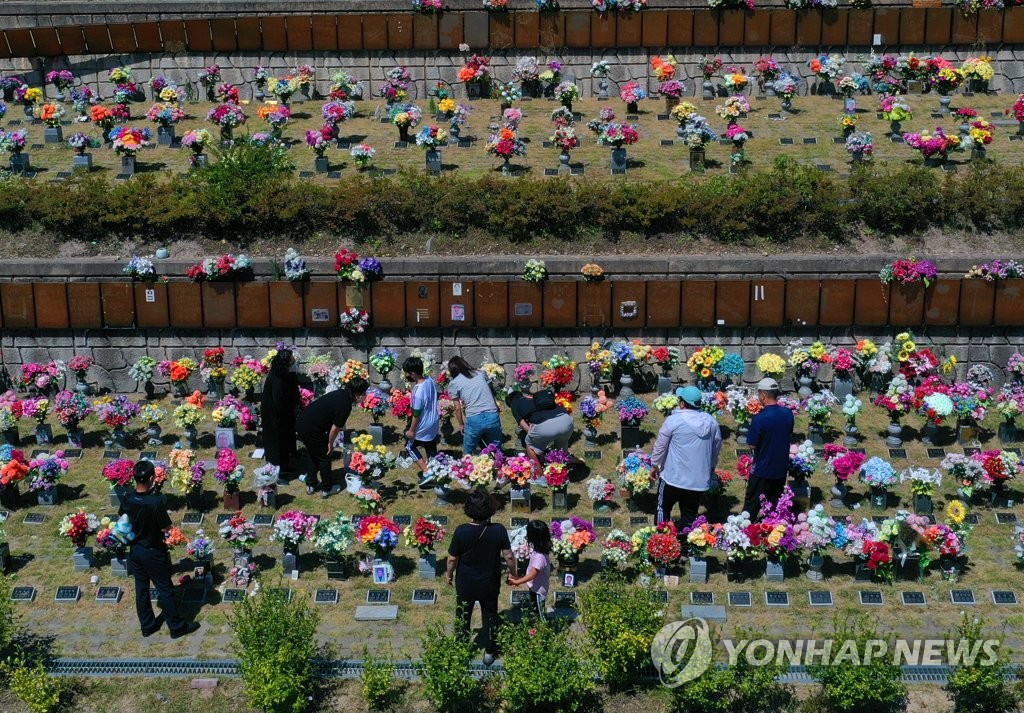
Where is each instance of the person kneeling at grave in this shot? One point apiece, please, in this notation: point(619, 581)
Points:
point(547, 426)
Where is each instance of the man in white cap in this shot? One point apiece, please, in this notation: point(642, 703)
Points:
point(684, 456)
point(770, 433)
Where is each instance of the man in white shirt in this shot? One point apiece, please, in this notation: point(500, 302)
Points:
point(684, 457)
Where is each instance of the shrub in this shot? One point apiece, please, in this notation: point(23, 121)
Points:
point(620, 622)
point(37, 689)
point(276, 645)
point(8, 627)
point(907, 200)
point(979, 685)
point(708, 693)
point(756, 689)
point(543, 671)
point(376, 680)
point(446, 679)
point(876, 687)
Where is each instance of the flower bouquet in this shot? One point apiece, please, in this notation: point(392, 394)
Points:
point(229, 471)
point(556, 469)
point(293, 527)
point(117, 412)
point(45, 470)
point(702, 363)
point(424, 534)
point(923, 482)
point(535, 271)
point(334, 537)
point(879, 476)
point(239, 532)
point(770, 364)
point(933, 147)
point(617, 548)
point(379, 534)
point(187, 471)
point(631, 411)
point(632, 93)
point(570, 537)
point(709, 66)
point(636, 473)
point(363, 155)
point(354, 320)
point(78, 526)
point(618, 135)
point(841, 462)
point(13, 466)
point(700, 537)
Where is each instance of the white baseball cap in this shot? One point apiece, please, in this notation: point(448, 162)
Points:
point(767, 384)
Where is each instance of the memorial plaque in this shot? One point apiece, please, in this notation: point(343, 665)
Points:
point(1004, 596)
point(602, 522)
point(439, 519)
point(667, 142)
point(325, 596)
point(465, 144)
point(67, 594)
point(263, 520)
point(72, 453)
point(962, 596)
point(378, 596)
point(192, 518)
point(618, 172)
point(39, 452)
point(744, 452)
point(660, 596)
point(223, 517)
point(936, 452)
point(147, 455)
point(776, 599)
point(424, 596)
point(376, 612)
point(820, 598)
point(896, 139)
point(111, 454)
point(577, 170)
point(519, 597)
point(34, 518)
point(565, 600)
point(401, 145)
point(23, 594)
point(972, 518)
point(740, 599)
point(1006, 518)
point(915, 599)
point(936, 115)
point(702, 598)
point(334, 174)
point(638, 520)
point(785, 142)
point(402, 520)
point(305, 174)
point(234, 595)
point(632, 117)
point(838, 140)
point(897, 452)
point(810, 141)
point(662, 117)
point(970, 451)
point(550, 171)
point(825, 167)
point(776, 117)
point(869, 598)
point(518, 522)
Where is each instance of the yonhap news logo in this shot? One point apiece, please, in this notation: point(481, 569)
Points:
point(681, 651)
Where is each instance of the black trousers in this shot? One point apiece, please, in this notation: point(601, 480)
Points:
point(771, 488)
point(149, 564)
point(688, 501)
point(464, 602)
point(316, 447)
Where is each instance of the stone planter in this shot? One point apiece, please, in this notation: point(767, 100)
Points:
point(626, 386)
point(119, 437)
point(851, 435)
point(698, 570)
point(602, 89)
point(191, 436)
point(563, 162)
point(632, 107)
point(774, 571)
point(117, 495)
point(839, 492)
point(428, 566)
point(894, 439)
point(321, 164)
point(929, 433)
point(442, 496)
point(966, 432)
point(48, 498)
point(200, 160)
point(805, 386)
point(165, 135)
point(842, 386)
point(735, 570)
point(923, 504)
point(82, 559)
point(896, 128)
point(128, 165)
point(618, 159)
point(1007, 432)
point(153, 432)
point(816, 567)
point(119, 565)
point(879, 498)
point(337, 568)
point(707, 90)
point(290, 561)
point(697, 157)
point(560, 499)
point(20, 163)
point(232, 501)
point(433, 160)
point(44, 434)
point(530, 88)
point(630, 437)
point(520, 499)
point(474, 90)
point(53, 135)
point(816, 434)
point(194, 499)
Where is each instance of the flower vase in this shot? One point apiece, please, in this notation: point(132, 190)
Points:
point(290, 560)
point(816, 567)
point(74, 436)
point(626, 385)
point(857, 156)
point(633, 503)
point(337, 567)
point(816, 434)
point(447, 433)
point(506, 167)
point(1007, 432)
point(10, 496)
point(568, 563)
point(560, 499)
point(742, 430)
point(589, 437)
point(215, 388)
point(602, 506)
point(81, 161)
point(117, 495)
point(879, 498)
point(433, 160)
point(520, 497)
point(82, 559)
point(385, 385)
point(1000, 496)
point(82, 386)
point(698, 570)
point(602, 89)
point(805, 384)
point(978, 152)
point(191, 436)
point(563, 161)
point(735, 570)
point(47, 496)
point(454, 131)
point(929, 433)
point(923, 504)
point(774, 571)
point(944, 101)
point(707, 90)
point(619, 159)
point(670, 104)
point(473, 90)
point(232, 501)
point(896, 128)
point(851, 435)
point(1020, 128)
point(44, 434)
point(10, 436)
point(630, 437)
point(321, 164)
point(967, 432)
point(632, 107)
point(697, 157)
point(894, 431)
point(153, 432)
point(839, 493)
point(194, 499)
point(787, 104)
point(842, 386)
point(403, 133)
point(442, 496)
point(427, 565)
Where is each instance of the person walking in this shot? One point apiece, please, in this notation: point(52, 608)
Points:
point(684, 457)
point(319, 425)
point(474, 567)
point(423, 428)
point(770, 434)
point(278, 407)
point(148, 558)
point(476, 411)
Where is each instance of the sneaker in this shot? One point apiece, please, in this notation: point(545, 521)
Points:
point(189, 628)
point(333, 491)
point(488, 659)
point(426, 480)
point(282, 483)
point(302, 478)
point(310, 490)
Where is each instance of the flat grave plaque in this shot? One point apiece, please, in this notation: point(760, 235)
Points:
point(147, 455)
point(810, 141)
point(378, 596)
point(464, 144)
point(23, 594)
point(858, 450)
point(334, 174)
point(192, 518)
point(776, 599)
point(898, 453)
point(971, 450)
point(61, 175)
point(263, 520)
point(67, 594)
point(39, 452)
point(223, 517)
point(234, 595)
point(577, 170)
point(547, 144)
point(702, 598)
point(424, 597)
point(36, 147)
point(518, 522)
point(870, 598)
point(667, 142)
point(565, 600)
point(281, 590)
point(740, 599)
point(638, 520)
point(519, 597)
point(14, 122)
point(744, 452)
point(896, 139)
point(1006, 518)
point(785, 141)
point(72, 453)
point(401, 144)
point(632, 117)
point(936, 452)
point(194, 595)
point(602, 522)
point(972, 518)
point(34, 518)
point(826, 167)
point(709, 613)
point(915, 599)
point(936, 115)
point(662, 117)
point(1004, 596)
point(305, 174)
point(325, 596)
point(962, 596)
point(820, 598)
point(111, 454)
point(402, 520)
point(377, 612)
point(660, 596)
point(550, 171)
point(775, 116)
point(439, 519)
point(838, 140)
point(618, 172)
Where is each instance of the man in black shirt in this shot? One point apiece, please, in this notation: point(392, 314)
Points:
point(148, 559)
point(318, 427)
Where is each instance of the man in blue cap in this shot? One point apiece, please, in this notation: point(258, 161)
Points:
point(684, 457)
point(770, 434)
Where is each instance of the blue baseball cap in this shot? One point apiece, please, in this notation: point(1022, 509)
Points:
point(690, 394)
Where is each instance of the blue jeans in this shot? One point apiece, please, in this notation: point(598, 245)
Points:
point(485, 427)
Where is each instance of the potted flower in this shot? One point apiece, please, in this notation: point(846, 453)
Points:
point(226, 268)
point(81, 143)
point(230, 472)
point(71, 407)
point(841, 463)
point(241, 535)
point(696, 134)
point(363, 155)
point(738, 136)
point(334, 538)
point(526, 72)
point(196, 141)
point(227, 117)
point(785, 89)
point(895, 111)
point(187, 473)
point(636, 474)
point(618, 136)
point(14, 142)
point(116, 414)
point(319, 140)
point(77, 527)
point(424, 534)
point(945, 82)
point(568, 540)
point(827, 68)
point(617, 549)
point(381, 536)
point(923, 484)
point(935, 147)
point(354, 320)
point(209, 77)
point(127, 144)
point(592, 272)
point(879, 476)
point(51, 114)
point(735, 107)
point(43, 473)
point(405, 117)
point(709, 67)
point(13, 469)
point(120, 476)
point(551, 76)
point(276, 116)
point(430, 138)
point(505, 144)
point(62, 80)
point(632, 93)
point(38, 407)
point(601, 492)
point(767, 70)
point(165, 116)
point(291, 529)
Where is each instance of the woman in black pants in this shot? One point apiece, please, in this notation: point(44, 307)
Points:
point(278, 408)
point(474, 566)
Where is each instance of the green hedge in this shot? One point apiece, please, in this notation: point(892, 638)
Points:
point(251, 193)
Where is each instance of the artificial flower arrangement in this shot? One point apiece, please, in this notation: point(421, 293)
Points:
point(13, 465)
point(424, 535)
point(319, 140)
point(119, 473)
point(239, 532)
point(922, 481)
point(71, 408)
point(631, 411)
point(165, 114)
point(878, 474)
point(859, 144)
point(401, 403)
point(770, 364)
point(814, 531)
point(227, 116)
point(430, 137)
point(78, 526)
point(354, 320)
point(636, 473)
point(618, 135)
point(733, 108)
point(700, 537)
point(505, 143)
point(128, 141)
point(658, 547)
point(476, 69)
point(895, 109)
point(116, 412)
point(228, 470)
point(50, 114)
point(933, 146)
point(334, 537)
point(292, 528)
point(999, 270)
point(742, 404)
point(42, 376)
point(841, 462)
point(558, 372)
point(592, 409)
point(535, 271)
point(187, 471)
point(709, 66)
point(362, 155)
point(998, 467)
point(247, 372)
point(379, 534)
point(62, 79)
point(785, 88)
point(773, 533)
point(226, 268)
point(665, 403)
point(369, 500)
point(616, 550)
point(570, 537)
point(807, 359)
point(37, 408)
point(734, 80)
point(556, 469)
point(632, 93)
point(803, 461)
point(45, 470)
point(396, 85)
point(827, 67)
